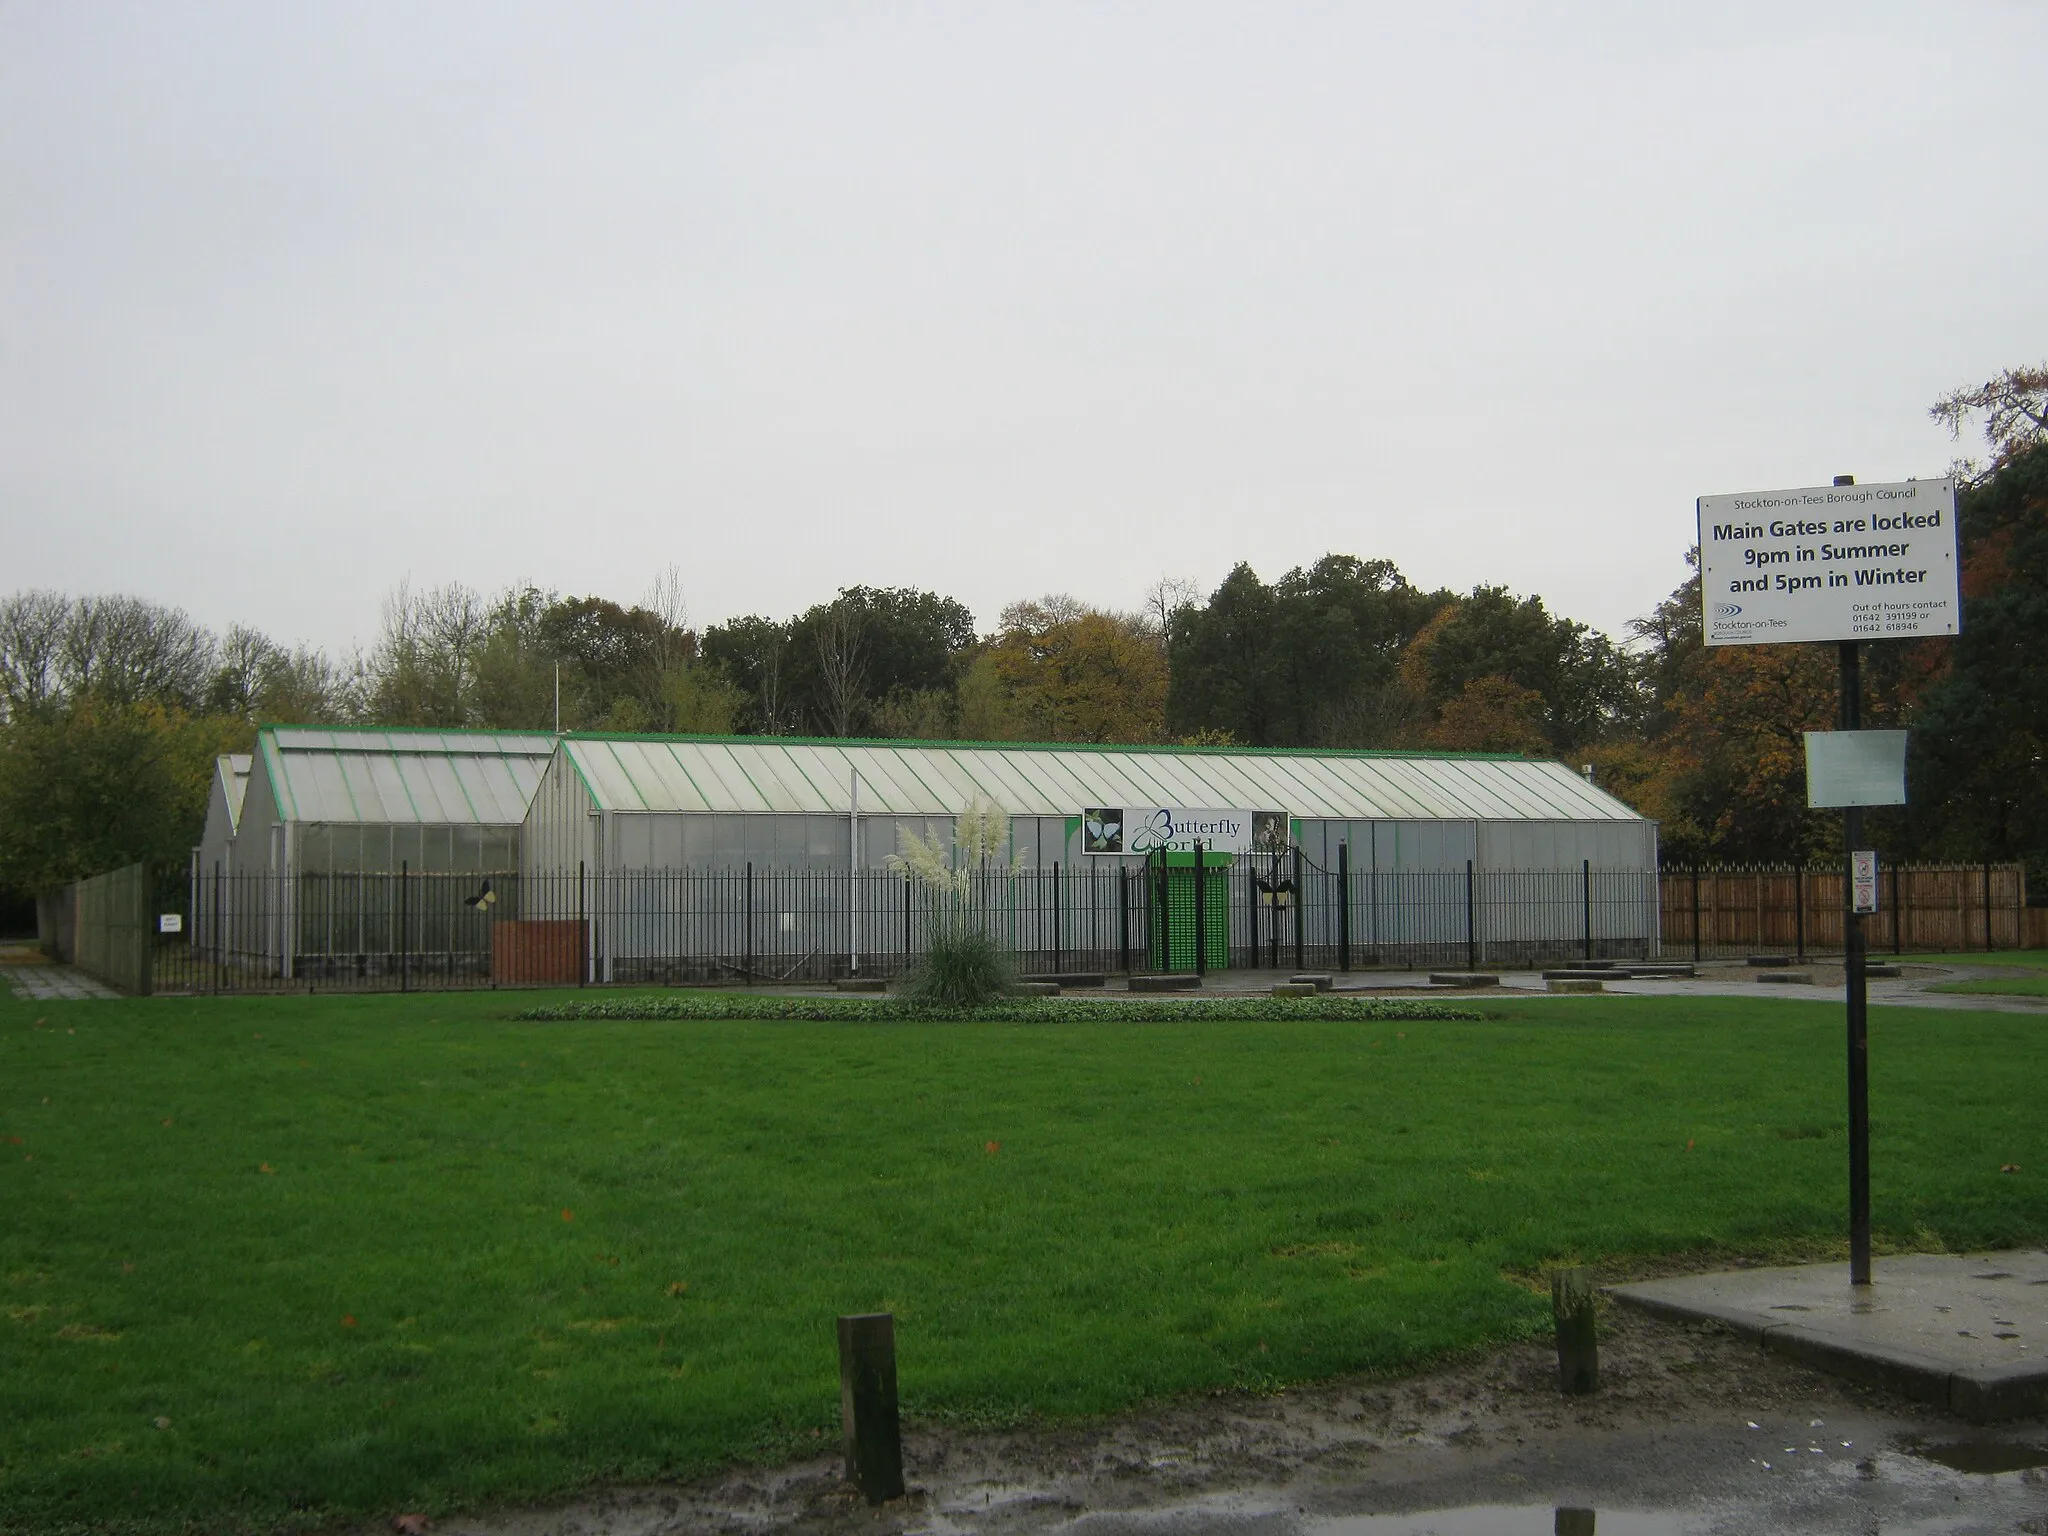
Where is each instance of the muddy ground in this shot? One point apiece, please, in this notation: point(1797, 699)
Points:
point(1687, 1418)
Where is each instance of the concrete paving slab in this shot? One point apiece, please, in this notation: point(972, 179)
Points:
point(1968, 1332)
point(54, 983)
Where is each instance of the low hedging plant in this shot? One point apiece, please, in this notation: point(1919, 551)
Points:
point(1049, 1010)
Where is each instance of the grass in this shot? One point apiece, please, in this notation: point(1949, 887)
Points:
point(2001, 986)
point(1100, 1008)
point(275, 1263)
point(2031, 959)
point(2005, 986)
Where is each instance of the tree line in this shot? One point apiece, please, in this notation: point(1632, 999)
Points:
point(112, 709)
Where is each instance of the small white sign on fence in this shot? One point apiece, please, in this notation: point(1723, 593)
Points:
point(170, 922)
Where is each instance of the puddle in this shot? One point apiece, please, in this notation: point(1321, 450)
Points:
point(1502, 1520)
point(1982, 1455)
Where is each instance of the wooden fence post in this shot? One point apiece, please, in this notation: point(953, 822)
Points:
point(1578, 1347)
point(867, 1405)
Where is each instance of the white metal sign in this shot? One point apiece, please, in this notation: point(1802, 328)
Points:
point(1863, 880)
point(1830, 562)
point(1855, 768)
point(170, 922)
point(1141, 829)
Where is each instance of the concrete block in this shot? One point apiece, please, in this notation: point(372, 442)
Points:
point(1464, 978)
point(1991, 1393)
point(1317, 979)
point(1577, 984)
point(1869, 1361)
point(1166, 983)
point(1295, 989)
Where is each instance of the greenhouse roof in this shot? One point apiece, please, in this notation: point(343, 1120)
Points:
point(769, 774)
point(233, 770)
point(325, 774)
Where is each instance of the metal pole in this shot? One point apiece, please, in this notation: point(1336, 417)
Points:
point(1295, 899)
point(582, 924)
point(853, 876)
point(1987, 908)
point(1123, 918)
point(906, 920)
point(747, 917)
point(1056, 936)
point(1799, 906)
point(1273, 928)
point(404, 935)
point(1586, 894)
point(1471, 922)
point(1201, 914)
point(1898, 916)
point(1859, 997)
point(219, 975)
point(1696, 910)
point(1344, 905)
point(1163, 957)
point(1251, 907)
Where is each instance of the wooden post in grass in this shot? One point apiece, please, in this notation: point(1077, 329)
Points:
point(1578, 1347)
point(867, 1405)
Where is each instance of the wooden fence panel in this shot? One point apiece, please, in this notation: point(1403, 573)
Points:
point(116, 928)
point(1924, 908)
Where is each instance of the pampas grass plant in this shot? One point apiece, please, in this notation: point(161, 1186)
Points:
point(964, 965)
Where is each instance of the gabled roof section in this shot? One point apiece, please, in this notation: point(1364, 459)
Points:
point(771, 774)
point(232, 769)
point(434, 777)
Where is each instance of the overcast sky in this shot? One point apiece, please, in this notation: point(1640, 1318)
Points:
point(299, 300)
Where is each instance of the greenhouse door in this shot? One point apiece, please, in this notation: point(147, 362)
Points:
point(1171, 879)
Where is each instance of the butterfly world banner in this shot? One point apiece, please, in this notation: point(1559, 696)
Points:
point(1143, 829)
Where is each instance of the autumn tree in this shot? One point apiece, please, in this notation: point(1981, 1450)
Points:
point(104, 783)
point(1074, 673)
point(1290, 664)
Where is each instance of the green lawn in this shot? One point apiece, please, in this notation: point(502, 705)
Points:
point(2030, 959)
point(2024, 960)
point(2005, 986)
point(268, 1263)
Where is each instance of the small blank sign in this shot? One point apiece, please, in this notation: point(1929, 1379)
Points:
point(170, 922)
point(1855, 768)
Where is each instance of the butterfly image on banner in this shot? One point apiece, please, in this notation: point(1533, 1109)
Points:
point(483, 900)
point(1102, 830)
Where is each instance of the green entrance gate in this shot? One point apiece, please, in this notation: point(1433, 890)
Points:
point(1172, 879)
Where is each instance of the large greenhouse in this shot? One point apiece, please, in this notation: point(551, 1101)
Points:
point(351, 846)
point(686, 858)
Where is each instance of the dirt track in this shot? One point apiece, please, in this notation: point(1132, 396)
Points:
point(1672, 1428)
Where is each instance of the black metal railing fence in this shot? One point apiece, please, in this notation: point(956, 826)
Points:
point(405, 930)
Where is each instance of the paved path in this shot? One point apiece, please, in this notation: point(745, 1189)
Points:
point(1717, 979)
point(53, 983)
point(1966, 1332)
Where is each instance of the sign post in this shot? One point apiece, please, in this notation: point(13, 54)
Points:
point(1841, 563)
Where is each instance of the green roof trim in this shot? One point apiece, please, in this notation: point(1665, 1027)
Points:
point(1165, 749)
point(420, 730)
